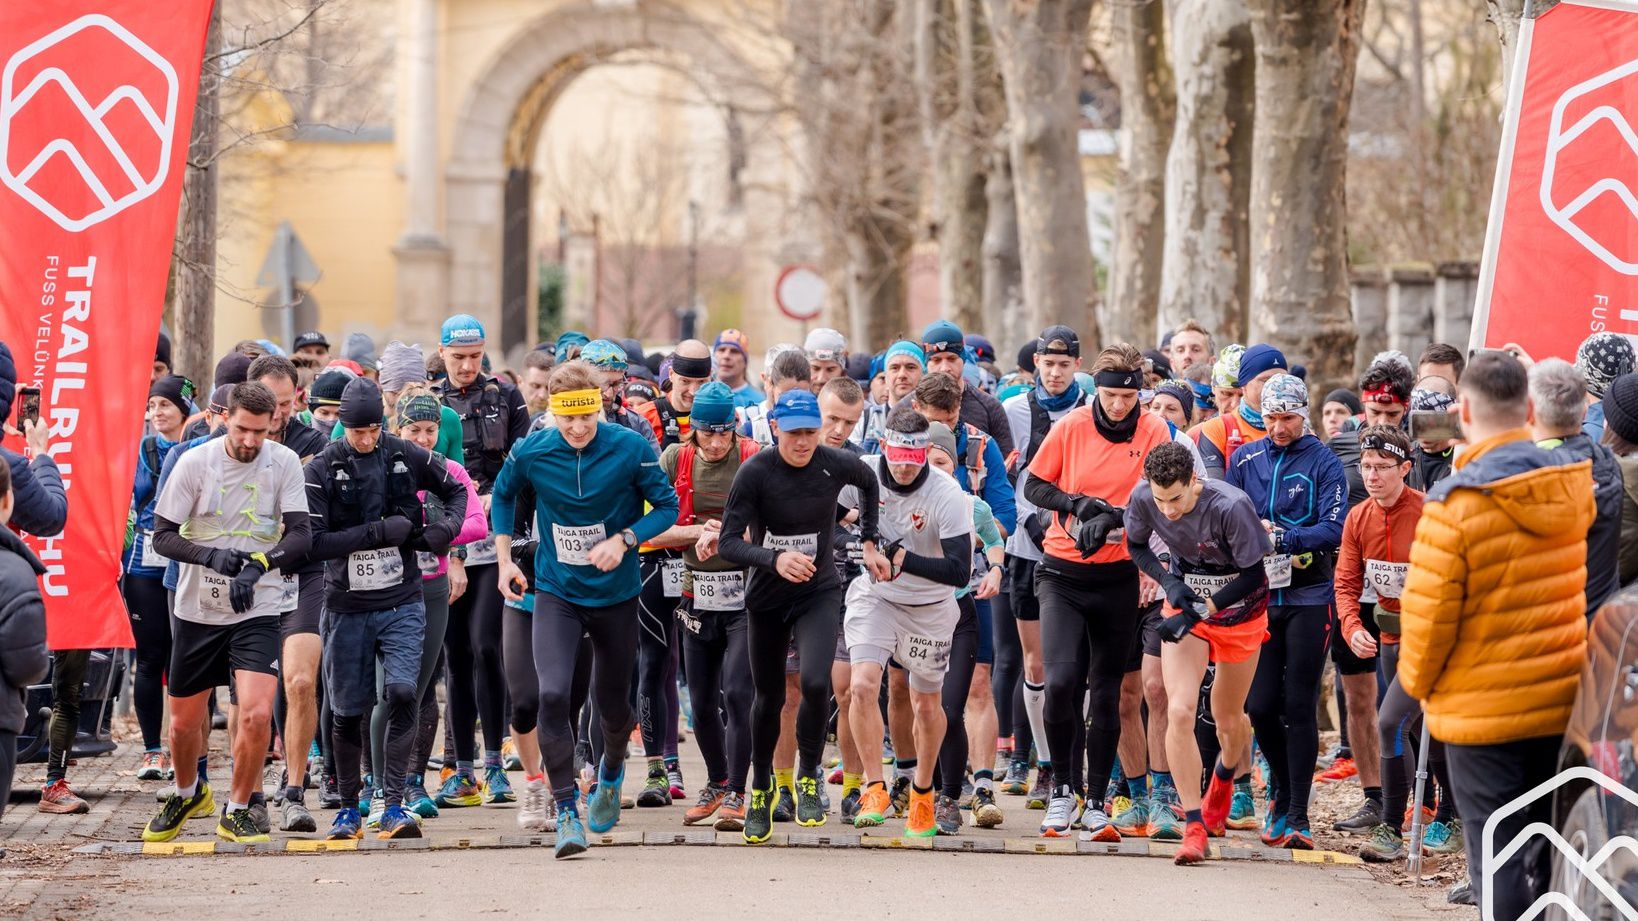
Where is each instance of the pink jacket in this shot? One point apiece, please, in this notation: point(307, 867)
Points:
point(474, 528)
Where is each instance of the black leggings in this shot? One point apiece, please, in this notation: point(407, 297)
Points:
point(522, 681)
point(719, 671)
point(656, 661)
point(952, 753)
point(477, 688)
point(151, 626)
point(559, 626)
point(1089, 617)
point(1399, 724)
point(810, 624)
point(1007, 676)
point(68, 667)
point(1284, 700)
point(426, 733)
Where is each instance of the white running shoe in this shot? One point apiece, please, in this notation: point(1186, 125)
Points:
point(532, 811)
point(1097, 827)
point(1062, 812)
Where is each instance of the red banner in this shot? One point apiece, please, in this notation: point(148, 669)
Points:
point(96, 103)
point(1561, 249)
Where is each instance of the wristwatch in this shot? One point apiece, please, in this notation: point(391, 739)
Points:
point(629, 537)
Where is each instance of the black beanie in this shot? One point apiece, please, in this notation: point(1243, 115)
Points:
point(361, 404)
point(162, 351)
point(1347, 398)
point(328, 386)
point(1159, 362)
point(1026, 356)
point(177, 389)
point(234, 368)
point(1621, 407)
point(8, 380)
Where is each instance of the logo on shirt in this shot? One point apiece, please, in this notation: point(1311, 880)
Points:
point(918, 519)
point(1294, 491)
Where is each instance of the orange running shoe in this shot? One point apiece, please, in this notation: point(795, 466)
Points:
point(874, 806)
point(1214, 808)
point(1427, 818)
point(1340, 769)
point(922, 819)
point(1194, 849)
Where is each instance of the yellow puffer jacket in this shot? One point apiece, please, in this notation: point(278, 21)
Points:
point(1493, 611)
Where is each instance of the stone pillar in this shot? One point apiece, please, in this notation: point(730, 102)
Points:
point(421, 255)
point(1410, 308)
point(1455, 286)
point(1369, 290)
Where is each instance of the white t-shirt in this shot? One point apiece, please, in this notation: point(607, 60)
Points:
point(221, 503)
point(938, 509)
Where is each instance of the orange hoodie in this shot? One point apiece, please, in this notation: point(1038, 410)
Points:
point(1372, 532)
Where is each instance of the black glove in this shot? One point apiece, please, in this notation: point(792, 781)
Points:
point(1179, 595)
point(1094, 532)
point(1174, 628)
point(1088, 508)
point(226, 562)
point(242, 593)
point(389, 532)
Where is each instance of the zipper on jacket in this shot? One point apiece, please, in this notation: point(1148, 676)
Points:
point(579, 489)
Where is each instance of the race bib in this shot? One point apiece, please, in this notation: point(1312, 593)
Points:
point(574, 543)
point(214, 594)
point(289, 592)
point(1207, 585)
point(1278, 567)
point(923, 654)
point(1387, 578)
point(368, 570)
point(151, 558)
point(480, 553)
point(426, 562)
point(719, 591)
point(805, 544)
point(671, 573)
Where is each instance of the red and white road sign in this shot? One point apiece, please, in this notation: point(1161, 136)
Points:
point(1561, 248)
point(800, 292)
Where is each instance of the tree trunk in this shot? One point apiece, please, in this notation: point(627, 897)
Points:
point(1004, 316)
point(1299, 279)
point(195, 344)
point(1207, 274)
point(1505, 16)
point(1146, 107)
point(1039, 47)
point(878, 283)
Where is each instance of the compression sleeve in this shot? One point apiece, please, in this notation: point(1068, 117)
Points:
point(1047, 495)
point(293, 546)
point(169, 541)
point(1242, 585)
point(1147, 560)
point(954, 568)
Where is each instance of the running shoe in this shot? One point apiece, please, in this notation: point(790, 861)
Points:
point(1041, 791)
point(711, 797)
point(1462, 894)
point(1328, 758)
point(1443, 838)
point(874, 806)
point(1133, 821)
point(366, 793)
point(459, 790)
point(850, 805)
point(1062, 812)
point(1273, 833)
point(1214, 806)
point(1261, 773)
point(656, 791)
point(784, 809)
point(1297, 836)
point(1164, 825)
point(1195, 847)
point(731, 814)
point(509, 755)
point(810, 810)
point(416, 798)
point(901, 796)
point(759, 817)
point(603, 810)
point(835, 777)
point(155, 766)
point(347, 825)
point(497, 788)
point(1427, 819)
point(239, 827)
point(967, 791)
point(571, 834)
point(329, 793)
point(294, 817)
point(1118, 804)
point(57, 799)
point(447, 771)
point(986, 814)
point(673, 776)
point(1115, 788)
point(1384, 845)
point(1363, 821)
point(1242, 814)
point(1016, 782)
point(176, 811)
point(1341, 769)
point(258, 813)
point(1095, 826)
point(947, 815)
point(372, 812)
point(923, 816)
point(398, 822)
point(532, 807)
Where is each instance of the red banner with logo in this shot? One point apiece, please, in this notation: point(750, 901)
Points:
point(96, 104)
point(1561, 248)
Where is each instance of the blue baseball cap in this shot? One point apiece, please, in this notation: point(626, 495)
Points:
point(796, 409)
point(943, 336)
point(461, 329)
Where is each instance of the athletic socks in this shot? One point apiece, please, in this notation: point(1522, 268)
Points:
point(984, 780)
point(1193, 815)
point(851, 782)
point(1137, 787)
point(671, 763)
point(1035, 707)
point(785, 777)
point(204, 763)
point(491, 759)
point(1223, 772)
point(463, 767)
point(905, 767)
point(920, 790)
point(233, 807)
point(1373, 795)
point(294, 794)
point(188, 791)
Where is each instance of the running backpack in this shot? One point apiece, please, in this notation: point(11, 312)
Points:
point(685, 475)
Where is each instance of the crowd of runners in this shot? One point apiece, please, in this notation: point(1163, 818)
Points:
point(927, 585)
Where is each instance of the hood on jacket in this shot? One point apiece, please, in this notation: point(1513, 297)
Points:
point(9, 541)
point(1527, 482)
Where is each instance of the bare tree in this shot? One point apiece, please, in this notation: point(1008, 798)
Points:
point(1207, 272)
point(1040, 46)
point(1004, 314)
point(1146, 111)
point(1506, 16)
point(195, 262)
point(1306, 53)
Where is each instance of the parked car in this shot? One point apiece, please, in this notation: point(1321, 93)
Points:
point(104, 677)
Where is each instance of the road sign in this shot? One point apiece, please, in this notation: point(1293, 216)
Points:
point(800, 292)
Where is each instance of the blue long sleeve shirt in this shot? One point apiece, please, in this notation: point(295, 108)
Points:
point(1303, 490)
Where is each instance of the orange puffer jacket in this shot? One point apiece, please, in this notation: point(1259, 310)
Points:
point(1493, 614)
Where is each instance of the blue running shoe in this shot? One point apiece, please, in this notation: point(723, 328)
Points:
point(366, 791)
point(1297, 836)
point(347, 826)
point(1242, 809)
point(496, 788)
point(571, 835)
point(1274, 833)
point(461, 789)
point(416, 799)
point(398, 822)
point(603, 811)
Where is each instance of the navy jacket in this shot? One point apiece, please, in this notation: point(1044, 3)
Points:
point(1302, 489)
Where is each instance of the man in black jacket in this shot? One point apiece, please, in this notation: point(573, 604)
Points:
point(41, 505)
point(23, 658)
point(1559, 393)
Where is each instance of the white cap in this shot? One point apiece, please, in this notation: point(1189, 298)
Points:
point(825, 339)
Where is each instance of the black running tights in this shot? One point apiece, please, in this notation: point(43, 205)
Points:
point(1284, 701)
point(719, 669)
point(558, 628)
point(811, 625)
point(952, 753)
point(151, 626)
point(477, 673)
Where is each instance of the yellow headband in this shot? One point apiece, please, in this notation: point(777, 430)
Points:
point(577, 402)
